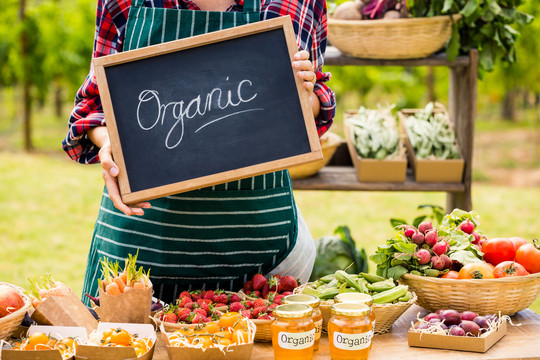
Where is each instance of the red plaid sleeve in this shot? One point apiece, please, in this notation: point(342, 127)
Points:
point(88, 112)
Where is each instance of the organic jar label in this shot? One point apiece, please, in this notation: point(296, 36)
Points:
point(296, 341)
point(345, 341)
point(318, 329)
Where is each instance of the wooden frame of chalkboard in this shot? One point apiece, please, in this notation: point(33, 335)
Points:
point(272, 127)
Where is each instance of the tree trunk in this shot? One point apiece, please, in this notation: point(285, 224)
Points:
point(58, 99)
point(509, 106)
point(430, 84)
point(26, 99)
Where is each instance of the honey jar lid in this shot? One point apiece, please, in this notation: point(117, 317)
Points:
point(293, 311)
point(350, 309)
point(307, 299)
point(354, 298)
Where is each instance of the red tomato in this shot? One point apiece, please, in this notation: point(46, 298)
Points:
point(518, 241)
point(497, 250)
point(509, 268)
point(476, 271)
point(528, 255)
point(451, 275)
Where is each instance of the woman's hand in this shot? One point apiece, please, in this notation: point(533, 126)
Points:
point(304, 70)
point(100, 137)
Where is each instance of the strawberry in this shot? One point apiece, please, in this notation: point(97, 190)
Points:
point(275, 283)
point(234, 298)
point(248, 286)
point(205, 306)
point(272, 306)
point(195, 318)
point(208, 294)
point(256, 294)
point(220, 298)
point(189, 305)
point(258, 281)
point(183, 311)
point(183, 301)
point(196, 295)
point(264, 317)
point(218, 305)
point(248, 304)
point(201, 311)
point(201, 301)
point(277, 299)
point(215, 315)
point(183, 294)
point(247, 314)
point(288, 283)
point(265, 290)
point(287, 293)
point(236, 307)
point(259, 311)
point(259, 303)
point(170, 318)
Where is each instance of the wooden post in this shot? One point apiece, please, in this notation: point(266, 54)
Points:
point(462, 107)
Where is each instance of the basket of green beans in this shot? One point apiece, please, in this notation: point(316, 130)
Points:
point(390, 300)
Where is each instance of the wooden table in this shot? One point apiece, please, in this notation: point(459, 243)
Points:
point(520, 342)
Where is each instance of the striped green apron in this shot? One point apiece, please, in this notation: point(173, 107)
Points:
point(214, 237)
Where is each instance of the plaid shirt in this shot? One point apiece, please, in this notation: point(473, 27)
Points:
point(309, 20)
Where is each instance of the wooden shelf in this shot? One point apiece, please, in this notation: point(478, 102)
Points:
point(335, 57)
point(344, 178)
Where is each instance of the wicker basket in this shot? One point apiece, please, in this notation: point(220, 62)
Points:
point(10, 323)
point(391, 39)
point(385, 314)
point(171, 327)
point(329, 144)
point(264, 330)
point(483, 296)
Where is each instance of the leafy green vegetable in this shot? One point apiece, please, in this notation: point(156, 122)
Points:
point(486, 25)
point(337, 253)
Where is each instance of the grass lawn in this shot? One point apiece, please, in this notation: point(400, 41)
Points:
point(48, 205)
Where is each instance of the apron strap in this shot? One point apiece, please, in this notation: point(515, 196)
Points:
point(252, 5)
point(138, 3)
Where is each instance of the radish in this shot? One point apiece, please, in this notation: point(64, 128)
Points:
point(447, 261)
point(418, 238)
point(467, 227)
point(423, 256)
point(409, 231)
point(425, 226)
point(437, 262)
point(431, 237)
point(440, 248)
point(476, 237)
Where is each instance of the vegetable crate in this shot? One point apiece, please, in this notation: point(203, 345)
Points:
point(431, 170)
point(375, 170)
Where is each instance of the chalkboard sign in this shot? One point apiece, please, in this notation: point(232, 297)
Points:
point(205, 110)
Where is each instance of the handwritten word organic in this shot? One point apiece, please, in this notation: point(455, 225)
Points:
point(218, 103)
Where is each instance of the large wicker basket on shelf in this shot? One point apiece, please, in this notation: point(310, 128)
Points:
point(483, 296)
point(10, 323)
point(391, 38)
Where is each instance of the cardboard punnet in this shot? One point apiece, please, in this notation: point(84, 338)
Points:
point(236, 352)
point(64, 311)
point(375, 170)
point(431, 170)
point(133, 306)
point(463, 343)
point(57, 331)
point(95, 352)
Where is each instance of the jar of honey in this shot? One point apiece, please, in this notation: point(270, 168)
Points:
point(314, 302)
point(349, 331)
point(359, 298)
point(293, 332)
